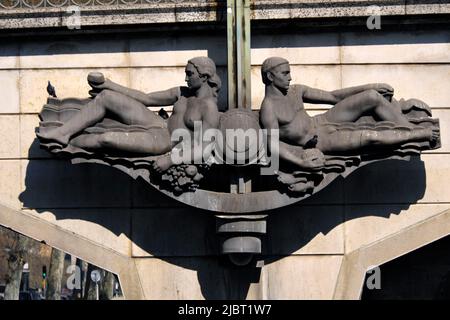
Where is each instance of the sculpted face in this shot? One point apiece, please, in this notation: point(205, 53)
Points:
point(281, 76)
point(193, 79)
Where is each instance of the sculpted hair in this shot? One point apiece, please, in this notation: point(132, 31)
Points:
point(268, 65)
point(206, 67)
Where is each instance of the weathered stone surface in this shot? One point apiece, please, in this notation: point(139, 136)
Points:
point(195, 11)
point(9, 91)
point(176, 51)
point(299, 49)
point(423, 181)
point(301, 277)
point(164, 12)
point(59, 184)
point(10, 183)
point(435, 7)
point(74, 54)
point(369, 223)
point(425, 82)
point(10, 135)
point(68, 83)
point(410, 47)
point(283, 9)
point(109, 228)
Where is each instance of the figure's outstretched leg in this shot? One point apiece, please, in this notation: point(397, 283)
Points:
point(342, 141)
point(126, 109)
point(352, 108)
point(397, 137)
point(153, 142)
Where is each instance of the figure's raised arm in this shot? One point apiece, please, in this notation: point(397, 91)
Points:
point(312, 95)
point(160, 98)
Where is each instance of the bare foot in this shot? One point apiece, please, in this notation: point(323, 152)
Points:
point(427, 134)
point(302, 187)
point(289, 179)
point(162, 164)
point(435, 136)
point(53, 135)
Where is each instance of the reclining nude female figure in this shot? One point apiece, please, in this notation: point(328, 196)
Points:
point(197, 102)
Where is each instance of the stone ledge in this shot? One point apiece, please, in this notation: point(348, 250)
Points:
point(214, 11)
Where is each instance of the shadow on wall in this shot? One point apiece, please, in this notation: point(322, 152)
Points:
point(186, 237)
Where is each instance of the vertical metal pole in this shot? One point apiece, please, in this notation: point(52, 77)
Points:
point(243, 53)
point(238, 40)
point(231, 53)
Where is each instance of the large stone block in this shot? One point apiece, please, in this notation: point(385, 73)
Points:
point(109, 228)
point(60, 184)
point(9, 131)
point(9, 56)
point(301, 277)
point(298, 230)
point(176, 51)
point(68, 83)
point(317, 76)
point(400, 182)
point(367, 224)
point(9, 91)
point(196, 278)
point(74, 54)
point(303, 49)
point(395, 47)
point(10, 183)
point(173, 232)
point(425, 82)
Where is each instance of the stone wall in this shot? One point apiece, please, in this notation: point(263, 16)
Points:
point(175, 247)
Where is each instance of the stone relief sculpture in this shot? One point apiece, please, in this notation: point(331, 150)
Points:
point(296, 155)
point(117, 121)
point(363, 120)
point(115, 127)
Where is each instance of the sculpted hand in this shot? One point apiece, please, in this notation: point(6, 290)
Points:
point(384, 89)
point(312, 159)
point(98, 82)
